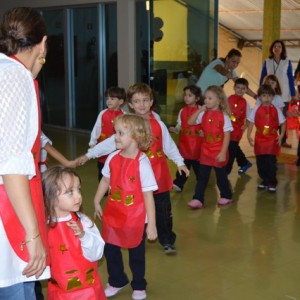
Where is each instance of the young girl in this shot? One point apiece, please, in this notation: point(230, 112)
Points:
point(216, 126)
point(189, 139)
point(104, 126)
point(75, 244)
point(128, 174)
point(273, 82)
point(266, 118)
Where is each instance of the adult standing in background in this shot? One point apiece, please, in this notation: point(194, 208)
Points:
point(22, 213)
point(279, 65)
point(221, 70)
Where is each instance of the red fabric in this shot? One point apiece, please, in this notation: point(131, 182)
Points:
point(72, 275)
point(293, 122)
point(124, 215)
point(266, 122)
point(158, 159)
point(238, 107)
point(13, 227)
point(189, 141)
point(213, 129)
point(107, 129)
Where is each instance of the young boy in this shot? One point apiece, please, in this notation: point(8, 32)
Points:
point(140, 100)
point(266, 118)
point(104, 126)
point(240, 110)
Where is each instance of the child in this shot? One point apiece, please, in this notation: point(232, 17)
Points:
point(128, 174)
point(140, 100)
point(75, 244)
point(104, 126)
point(240, 109)
point(266, 118)
point(189, 139)
point(216, 127)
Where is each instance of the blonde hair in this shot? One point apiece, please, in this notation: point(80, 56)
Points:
point(219, 92)
point(53, 181)
point(138, 127)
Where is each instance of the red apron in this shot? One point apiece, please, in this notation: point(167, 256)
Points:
point(158, 159)
point(13, 227)
point(266, 121)
point(213, 129)
point(124, 215)
point(73, 277)
point(107, 127)
point(293, 122)
point(189, 141)
point(238, 107)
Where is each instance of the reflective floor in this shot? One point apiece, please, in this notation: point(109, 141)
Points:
point(247, 251)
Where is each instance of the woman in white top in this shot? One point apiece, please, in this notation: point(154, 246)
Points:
point(22, 218)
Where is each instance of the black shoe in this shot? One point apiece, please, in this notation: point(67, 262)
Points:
point(169, 249)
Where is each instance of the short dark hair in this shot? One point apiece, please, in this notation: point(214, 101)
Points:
point(265, 89)
point(242, 81)
point(234, 52)
point(283, 54)
point(195, 90)
point(117, 92)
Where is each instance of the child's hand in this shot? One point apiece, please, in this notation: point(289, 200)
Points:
point(173, 129)
point(279, 140)
point(184, 169)
point(151, 232)
point(244, 127)
point(201, 133)
point(98, 210)
point(80, 161)
point(203, 108)
point(221, 157)
point(250, 140)
point(76, 228)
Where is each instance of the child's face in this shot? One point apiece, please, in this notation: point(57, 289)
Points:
point(189, 98)
point(266, 99)
point(141, 104)
point(114, 103)
point(211, 100)
point(69, 199)
point(240, 89)
point(272, 83)
point(123, 137)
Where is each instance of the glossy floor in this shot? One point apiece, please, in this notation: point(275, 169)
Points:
point(249, 250)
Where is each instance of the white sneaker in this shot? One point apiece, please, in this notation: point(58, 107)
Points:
point(176, 188)
point(111, 290)
point(139, 295)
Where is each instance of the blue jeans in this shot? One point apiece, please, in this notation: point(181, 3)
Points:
point(19, 291)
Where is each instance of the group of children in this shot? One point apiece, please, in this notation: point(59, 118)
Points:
point(132, 151)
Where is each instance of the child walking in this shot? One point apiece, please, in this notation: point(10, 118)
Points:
point(75, 244)
point(216, 127)
point(128, 175)
point(240, 109)
point(104, 126)
point(189, 139)
point(266, 118)
point(140, 100)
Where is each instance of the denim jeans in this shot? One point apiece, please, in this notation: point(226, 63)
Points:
point(19, 291)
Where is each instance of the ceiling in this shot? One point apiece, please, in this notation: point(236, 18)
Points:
point(244, 19)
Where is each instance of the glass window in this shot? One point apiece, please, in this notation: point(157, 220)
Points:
point(52, 77)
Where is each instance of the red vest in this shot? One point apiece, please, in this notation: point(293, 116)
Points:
point(124, 215)
point(238, 107)
point(213, 129)
point(13, 227)
point(72, 275)
point(107, 127)
point(189, 141)
point(266, 121)
point(158, 159)
point(293, 122)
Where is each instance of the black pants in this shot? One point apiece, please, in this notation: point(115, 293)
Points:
point(235, 152)
point(180, 180)
point(267, 167)
point(284, 110)
point(115, 266)
point(100, 166)
point(164, 218)
point(222, 182)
